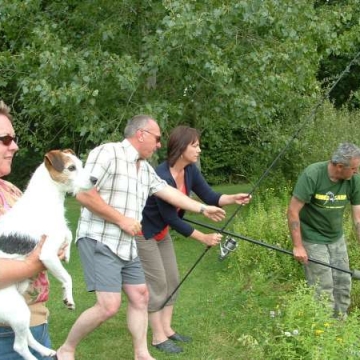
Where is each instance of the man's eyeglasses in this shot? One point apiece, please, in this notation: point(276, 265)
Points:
point(157, 137)
point(8, 139)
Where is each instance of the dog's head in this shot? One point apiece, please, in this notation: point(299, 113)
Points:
point(67, 170)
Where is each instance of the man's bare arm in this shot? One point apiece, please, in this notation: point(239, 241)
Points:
point(293, 216)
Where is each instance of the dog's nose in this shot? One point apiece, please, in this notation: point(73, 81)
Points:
point(93, 180)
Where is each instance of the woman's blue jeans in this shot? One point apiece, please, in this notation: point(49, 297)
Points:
point(40, 333)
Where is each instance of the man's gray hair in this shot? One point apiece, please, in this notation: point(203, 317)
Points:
point(345, 153)
point(135, 123)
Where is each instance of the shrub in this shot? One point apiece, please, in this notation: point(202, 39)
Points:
point(303, 328)
point(265, 221)
point(289, 323)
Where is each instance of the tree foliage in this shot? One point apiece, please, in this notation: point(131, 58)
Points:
point(344, 19)
point(245, 73)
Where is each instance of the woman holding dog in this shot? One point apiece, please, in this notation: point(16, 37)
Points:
point(37, 294)
point(155, 246)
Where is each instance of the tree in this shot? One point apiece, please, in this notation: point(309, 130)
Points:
point(242, 72)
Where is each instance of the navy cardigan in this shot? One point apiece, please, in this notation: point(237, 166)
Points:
point(157, 213)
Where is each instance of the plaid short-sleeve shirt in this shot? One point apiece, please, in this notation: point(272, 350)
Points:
point(124, 188)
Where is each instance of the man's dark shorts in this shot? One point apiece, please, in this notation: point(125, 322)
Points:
point(105, 271)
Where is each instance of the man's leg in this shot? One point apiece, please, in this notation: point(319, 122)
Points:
point(342, 280)
point(107, 306)
point(318, 275)
point(137, 318)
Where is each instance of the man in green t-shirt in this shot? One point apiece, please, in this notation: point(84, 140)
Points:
point(315, 219)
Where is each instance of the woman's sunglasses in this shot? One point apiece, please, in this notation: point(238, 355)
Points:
point(8, 139)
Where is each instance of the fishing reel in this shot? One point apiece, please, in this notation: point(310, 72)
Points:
point(230, 245)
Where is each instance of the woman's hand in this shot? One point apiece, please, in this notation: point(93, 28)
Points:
point(211, 239)
point(62, 251)
point(242, 199)
point(33, 259)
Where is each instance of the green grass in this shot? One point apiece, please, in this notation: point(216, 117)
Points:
point(225, 306)
point(214, 312)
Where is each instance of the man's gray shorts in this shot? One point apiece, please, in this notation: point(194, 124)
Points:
point(104, 270)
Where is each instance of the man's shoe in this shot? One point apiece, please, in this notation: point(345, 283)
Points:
point(181, 338)
point(169, 347)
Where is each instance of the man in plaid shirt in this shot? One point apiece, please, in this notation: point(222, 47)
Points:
point(110, 218)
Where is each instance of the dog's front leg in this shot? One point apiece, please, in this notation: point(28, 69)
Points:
point(53, 264)
point(68, 240)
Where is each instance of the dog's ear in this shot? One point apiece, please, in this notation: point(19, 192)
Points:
point(54, 159)
point(69, 151)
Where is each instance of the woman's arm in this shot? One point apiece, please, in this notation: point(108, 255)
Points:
point(207, 239)
point(12, 270)
point(205, 192)
point(240, 199)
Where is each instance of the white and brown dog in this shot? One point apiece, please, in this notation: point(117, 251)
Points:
point(40, 211)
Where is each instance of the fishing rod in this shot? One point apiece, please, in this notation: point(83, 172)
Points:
point(355, 274)
point(267, 171)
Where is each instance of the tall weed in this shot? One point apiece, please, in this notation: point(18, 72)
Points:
point(275, 322)
point(303, 328)
point(265, 221)
point(317, 140)
point(289, 323)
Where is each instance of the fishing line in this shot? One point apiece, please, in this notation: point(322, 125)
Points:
point(267, 171)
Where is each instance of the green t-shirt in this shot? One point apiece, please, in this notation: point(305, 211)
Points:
point(322, 215)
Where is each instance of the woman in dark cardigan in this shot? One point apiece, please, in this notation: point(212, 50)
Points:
point(155, 245)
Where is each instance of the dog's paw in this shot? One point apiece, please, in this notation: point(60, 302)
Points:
point(46, 352)
point(69, 305)
point(52, 353)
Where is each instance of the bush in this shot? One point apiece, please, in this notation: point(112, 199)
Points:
point(288, 323)
point(265, 221)
point(319, 138)
point(302, 328)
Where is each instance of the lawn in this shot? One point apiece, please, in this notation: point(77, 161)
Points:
point(205, 309)
point(254, 305)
